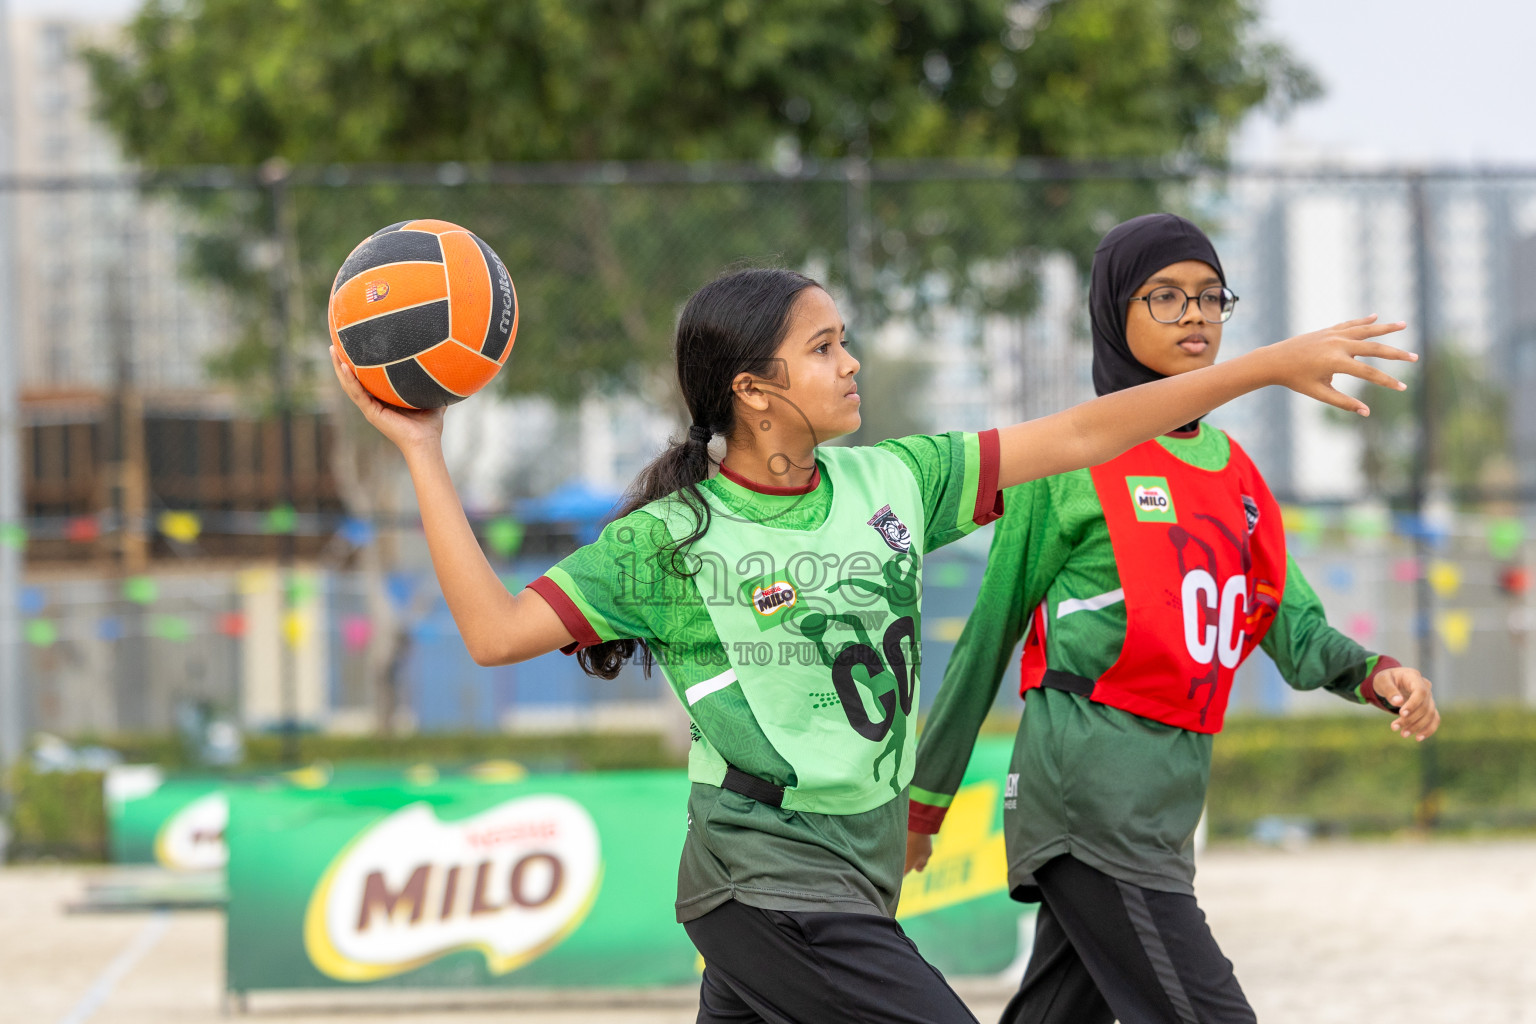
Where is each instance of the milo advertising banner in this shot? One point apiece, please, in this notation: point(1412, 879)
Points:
point(557, 880)
point(178, 822)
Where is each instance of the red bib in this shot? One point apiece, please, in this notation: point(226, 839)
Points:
point(1201, 557)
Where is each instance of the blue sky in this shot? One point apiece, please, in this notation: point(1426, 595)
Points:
point(1420, 81)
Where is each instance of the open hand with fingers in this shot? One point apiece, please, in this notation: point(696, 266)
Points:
point(1408, 691)
point(1307, 363)
point(409, 429)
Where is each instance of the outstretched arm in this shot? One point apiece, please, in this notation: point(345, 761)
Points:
point(498, 627)
point(1311, 654)
point(1097, 431)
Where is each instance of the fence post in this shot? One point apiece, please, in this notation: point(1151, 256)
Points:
point(12, 704)
point(1427, 813)
point(274, 175)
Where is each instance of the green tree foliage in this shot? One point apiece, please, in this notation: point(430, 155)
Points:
point(789, 84)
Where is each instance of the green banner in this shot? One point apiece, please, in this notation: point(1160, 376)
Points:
point(558, 880)
point(177, 822)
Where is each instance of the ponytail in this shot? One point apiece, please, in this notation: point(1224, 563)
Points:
point(732, 325)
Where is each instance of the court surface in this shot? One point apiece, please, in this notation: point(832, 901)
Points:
point(1408, 932)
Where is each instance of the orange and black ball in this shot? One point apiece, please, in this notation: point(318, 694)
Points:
point(424, 312)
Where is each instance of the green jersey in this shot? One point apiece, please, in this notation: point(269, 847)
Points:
point(1120, 792)
point(718, 652)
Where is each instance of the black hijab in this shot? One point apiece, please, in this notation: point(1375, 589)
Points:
point(1126, 257)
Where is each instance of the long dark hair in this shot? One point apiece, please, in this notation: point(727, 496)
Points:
point(732, 325)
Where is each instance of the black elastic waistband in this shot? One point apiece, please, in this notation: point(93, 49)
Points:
point(761, 790)
point(1057, 680)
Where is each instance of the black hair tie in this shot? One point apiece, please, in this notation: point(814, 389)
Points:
point(700, 433)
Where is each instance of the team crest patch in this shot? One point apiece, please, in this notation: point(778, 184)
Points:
point(1152, 499)
point(773, 598)
point(895, 533)
point(1251, 511)
point(373, 291)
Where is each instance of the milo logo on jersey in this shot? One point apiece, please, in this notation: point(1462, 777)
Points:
point(510, 882)
point(1152, 499)
point(774, 598)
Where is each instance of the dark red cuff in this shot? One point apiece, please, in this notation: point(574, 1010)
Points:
point(571, 618)
point(1368, 688)
point(989, 500)
point(924, 818)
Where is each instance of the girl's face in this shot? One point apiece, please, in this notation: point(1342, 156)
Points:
point(1189, 343)
point(820, 400)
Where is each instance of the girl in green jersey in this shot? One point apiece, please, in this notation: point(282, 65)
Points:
point(1142, 582)
point(779, 595)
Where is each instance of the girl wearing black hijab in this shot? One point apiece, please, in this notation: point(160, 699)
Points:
point(1141, 585)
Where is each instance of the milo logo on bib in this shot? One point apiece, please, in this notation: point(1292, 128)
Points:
point(1152, 499)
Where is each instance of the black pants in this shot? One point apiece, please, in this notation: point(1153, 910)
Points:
point(787, 967)
point(1107, 950)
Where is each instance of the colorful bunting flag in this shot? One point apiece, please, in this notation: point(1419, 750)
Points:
point(41, 632)
point(140, 590)
point(357, 532)
point(1456, 630)
point(33, 600)
point(1505, 536)
point(301, 588)
point(356, 632)
point(295, 629)
point(1361, 627)
point(182, 527)
point(1367, 522)
point(1445, 577)
point(504, 536)
point(170, 627)
point(282, 519)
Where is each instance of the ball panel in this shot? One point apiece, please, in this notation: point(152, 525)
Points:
point(376, 380)
point(396, 247)
point(498, 334)
point(437, 227)
point(461, 370)
point(395, 336)
point(396, 226)
point(386, 290)
point(416, 386)
point(469, 288)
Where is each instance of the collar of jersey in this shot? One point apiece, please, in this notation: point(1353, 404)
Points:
point(1203, 450)
point(730, 476)
point(789, 508)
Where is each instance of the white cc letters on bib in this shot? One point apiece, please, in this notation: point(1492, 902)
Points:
point(1224, 639)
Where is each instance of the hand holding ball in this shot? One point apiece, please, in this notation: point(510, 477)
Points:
point(424, 313)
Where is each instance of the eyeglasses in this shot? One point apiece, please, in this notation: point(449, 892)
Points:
point(1167, 304)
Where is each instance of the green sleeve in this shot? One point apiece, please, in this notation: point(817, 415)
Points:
point(1027, 553)
point(1309, 653)
point(957, 475)
point(618, 587)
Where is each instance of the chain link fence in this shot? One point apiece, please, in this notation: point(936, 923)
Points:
point(206, 525)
